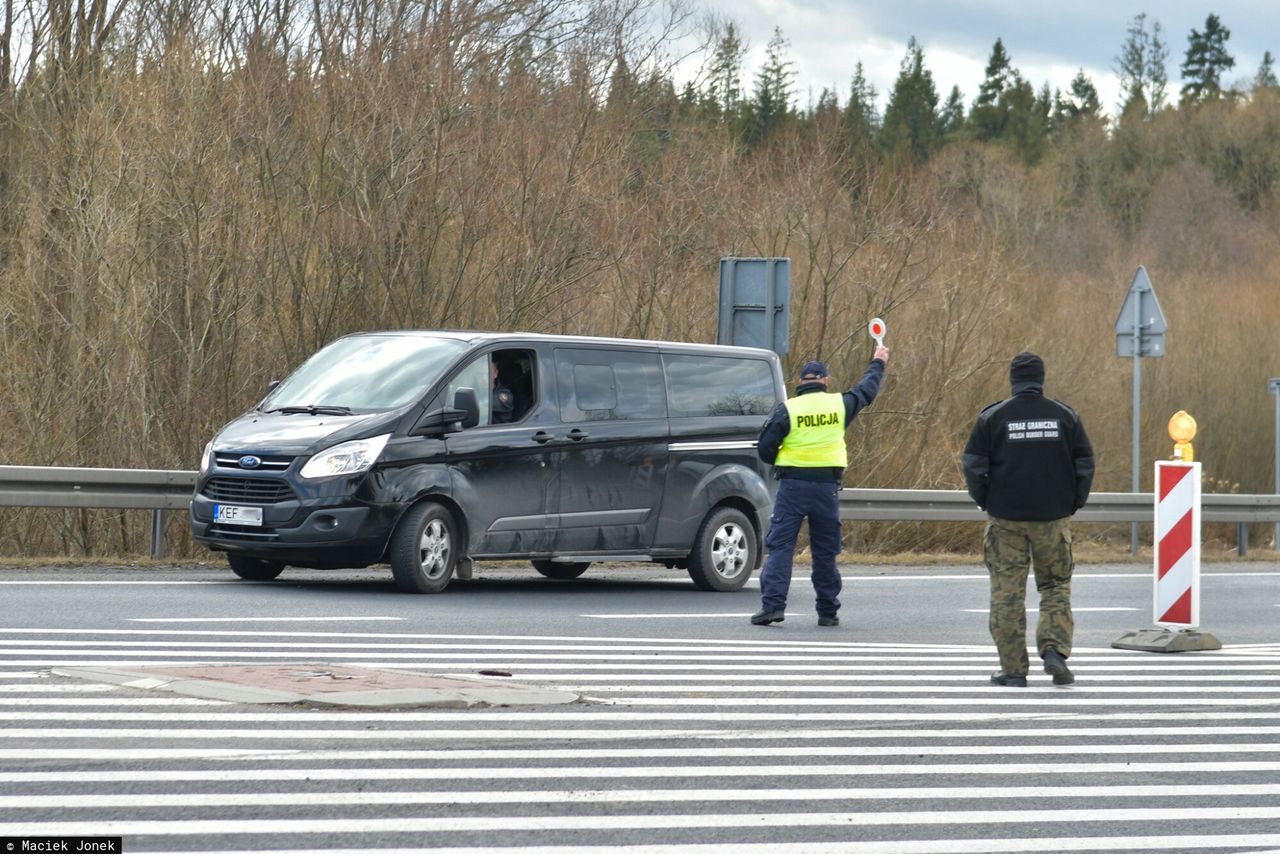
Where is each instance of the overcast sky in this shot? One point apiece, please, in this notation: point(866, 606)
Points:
point(1046, 41)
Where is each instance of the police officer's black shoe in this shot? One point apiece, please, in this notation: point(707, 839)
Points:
point(828, 620)
point(1008, 680)
point(764, 617)
point(1056, 666)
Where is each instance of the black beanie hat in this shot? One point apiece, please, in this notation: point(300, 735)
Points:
point(1026, 368)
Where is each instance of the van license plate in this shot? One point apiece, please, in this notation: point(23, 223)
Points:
point(231, 514)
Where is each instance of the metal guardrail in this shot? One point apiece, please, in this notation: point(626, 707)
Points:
point(139, 489)
point(948, 505)
point(161, 490)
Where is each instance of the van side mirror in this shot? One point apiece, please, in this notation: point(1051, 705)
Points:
point(271, 386)
point(464, 413)
point(464, 399)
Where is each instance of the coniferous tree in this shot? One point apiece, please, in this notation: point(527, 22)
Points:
point(911, 121)
point(859, 119)
point(953, 113)
point(1142, 67)
point(988, 117)
point(1080, 101)
point(1266, 76)
point(724, 84)
point(1206, 61)
point(770, 104)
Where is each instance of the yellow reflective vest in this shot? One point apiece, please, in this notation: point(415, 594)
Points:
point(816, 439)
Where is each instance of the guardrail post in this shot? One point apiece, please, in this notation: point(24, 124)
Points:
point(1242, 538)
point(157, 534)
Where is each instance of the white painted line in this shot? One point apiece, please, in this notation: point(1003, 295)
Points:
point(264, 619)
point(533, 670)
point(740, 821)
point(109, 701)
point(1045, 712)
point(590, 754)
point(35, 583)
point(1051, 700)
point(689, 772)
point(56, 689)
point(743, 616)
point(988, 845)
point(251, 650)
point(615, 796)
point(1042, 688)
point(599, 683)
point(20, 674)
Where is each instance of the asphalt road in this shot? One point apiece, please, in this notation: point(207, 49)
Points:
point(697, 731)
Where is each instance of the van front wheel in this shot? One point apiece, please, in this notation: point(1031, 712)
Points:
point(724, 552)
point(563, 571)
point(424, 549)
point(254, 569)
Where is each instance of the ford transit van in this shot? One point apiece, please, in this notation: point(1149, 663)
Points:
point(432, 450)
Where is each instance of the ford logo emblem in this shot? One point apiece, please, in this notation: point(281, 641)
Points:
point(249, 461)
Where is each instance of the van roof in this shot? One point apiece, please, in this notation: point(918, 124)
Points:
point(479, 337)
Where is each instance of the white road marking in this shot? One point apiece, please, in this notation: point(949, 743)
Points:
point(743, 616)
point(853, 688)
point(986, 845)
point(56, 689)
point(579, 754)
point(110, 701)
point(742, 821)
point(808, 769)
point(606, 796)
point(264, 619)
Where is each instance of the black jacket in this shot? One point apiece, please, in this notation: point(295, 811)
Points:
point(775, 430)
point(1028, 459)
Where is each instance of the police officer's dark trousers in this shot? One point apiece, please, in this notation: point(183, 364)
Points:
point(820, 503)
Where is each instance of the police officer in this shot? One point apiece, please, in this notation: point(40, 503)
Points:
point(502, 401)
point(804, 440)
point(1029, 464)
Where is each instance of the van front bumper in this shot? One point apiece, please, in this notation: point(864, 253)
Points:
point(296, 534)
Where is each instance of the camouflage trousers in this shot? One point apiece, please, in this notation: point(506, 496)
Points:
point(1009, 548)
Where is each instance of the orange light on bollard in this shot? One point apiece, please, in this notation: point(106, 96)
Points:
point(1182, 429)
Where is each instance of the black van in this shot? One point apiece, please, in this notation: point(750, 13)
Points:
point(430, 450)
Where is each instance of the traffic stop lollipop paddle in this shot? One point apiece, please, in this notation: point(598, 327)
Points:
point(877, 330)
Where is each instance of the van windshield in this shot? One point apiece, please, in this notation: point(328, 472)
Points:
point(365, 373)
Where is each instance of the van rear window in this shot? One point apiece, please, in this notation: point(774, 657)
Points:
point(716, 385)
point(606, 385)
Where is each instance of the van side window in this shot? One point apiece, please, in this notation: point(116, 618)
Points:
point(714, 385)
point(506, 398)
point(609, 385)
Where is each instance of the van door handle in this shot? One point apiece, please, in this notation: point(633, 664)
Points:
point(578, 435)
point(542, 437)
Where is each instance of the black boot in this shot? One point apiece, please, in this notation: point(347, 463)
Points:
point(1056, 666)
point(1008, 680)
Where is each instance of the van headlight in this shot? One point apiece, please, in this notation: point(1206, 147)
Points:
point(206, 460)
point(347, 458)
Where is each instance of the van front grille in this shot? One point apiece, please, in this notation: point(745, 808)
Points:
point(247, 489)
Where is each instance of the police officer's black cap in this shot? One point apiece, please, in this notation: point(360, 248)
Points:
point(813, 371)
point(1026, 368)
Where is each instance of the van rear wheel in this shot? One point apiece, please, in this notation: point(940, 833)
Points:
point(724, 552)
point(563, 571)
point(424, 549)
point(254, 569)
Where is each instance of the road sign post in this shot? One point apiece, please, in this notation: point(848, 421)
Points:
point(755, 300)
point(1140, 332)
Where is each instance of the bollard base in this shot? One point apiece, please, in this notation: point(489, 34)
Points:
point(1167, 640)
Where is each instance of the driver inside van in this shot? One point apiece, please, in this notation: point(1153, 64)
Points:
point(502, 401)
